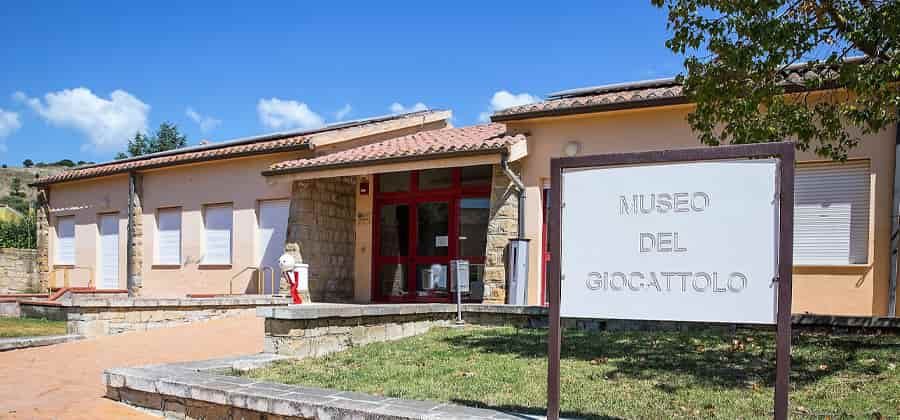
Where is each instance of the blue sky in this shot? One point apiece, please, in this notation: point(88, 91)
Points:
point(79, 78)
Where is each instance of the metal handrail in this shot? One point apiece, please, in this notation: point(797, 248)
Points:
point(272, 276)
point(260, 278)
point(66, 270)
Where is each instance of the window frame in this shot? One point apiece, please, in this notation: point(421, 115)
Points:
point(205, 262)
point(869, 216)
point(57, 262)
point(157, 262)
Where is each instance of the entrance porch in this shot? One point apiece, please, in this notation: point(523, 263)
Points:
point(390, 237)
point(385, 229)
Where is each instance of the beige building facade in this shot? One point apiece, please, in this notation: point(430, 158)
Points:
point(380, 208)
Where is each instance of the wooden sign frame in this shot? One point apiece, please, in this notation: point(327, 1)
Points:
point(784, 151)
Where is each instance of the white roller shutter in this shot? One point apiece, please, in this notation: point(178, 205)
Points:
point(218, 223)
point(109, 251)
point(65, 240)
point(831, 213)
point(168, 237)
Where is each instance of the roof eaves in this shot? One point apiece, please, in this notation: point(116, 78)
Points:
point(267, 137)
point(614, 87)
point(392, 159)
point(295, 147)
point(612, 106)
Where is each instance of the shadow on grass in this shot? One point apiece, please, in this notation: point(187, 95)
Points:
point(528, 413)
point(707, 359)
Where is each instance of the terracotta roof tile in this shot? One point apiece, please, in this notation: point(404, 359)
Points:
point(632, 97)
point(238, 148)
point(488, 137)
point(111, 168)
point(647, 93)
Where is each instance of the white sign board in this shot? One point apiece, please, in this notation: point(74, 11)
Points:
point(683, 242)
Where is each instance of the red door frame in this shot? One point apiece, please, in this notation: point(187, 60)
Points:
point(412, 198)
point(545, 243)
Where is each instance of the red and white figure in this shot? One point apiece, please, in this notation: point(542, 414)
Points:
point(297, 275)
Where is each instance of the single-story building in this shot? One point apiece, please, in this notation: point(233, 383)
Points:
point(379, 208)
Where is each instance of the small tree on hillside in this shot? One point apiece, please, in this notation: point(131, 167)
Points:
point(27, 163)
point(17, 199)
point(166, 137)
point(138, 145)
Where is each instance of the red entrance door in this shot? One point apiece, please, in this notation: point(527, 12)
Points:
point(418, 220)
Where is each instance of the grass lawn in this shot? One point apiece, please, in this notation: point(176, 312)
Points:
point(28, 327)
point(630, 375)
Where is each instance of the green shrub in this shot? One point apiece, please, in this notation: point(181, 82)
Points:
point(20, 233)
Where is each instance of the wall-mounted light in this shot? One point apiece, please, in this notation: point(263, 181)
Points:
point(572, 148)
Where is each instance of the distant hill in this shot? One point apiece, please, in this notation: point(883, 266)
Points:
point(27, 176)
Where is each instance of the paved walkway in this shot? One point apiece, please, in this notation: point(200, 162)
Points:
point(64, 381)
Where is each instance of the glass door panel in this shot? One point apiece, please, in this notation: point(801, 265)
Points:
point(392, 279)
point(392, 251)
point(432, 279)
point(423, 220)
point(474, 215)
point(394, 223)
point(433, 229)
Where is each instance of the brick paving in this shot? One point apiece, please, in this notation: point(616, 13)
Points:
point(65, 381)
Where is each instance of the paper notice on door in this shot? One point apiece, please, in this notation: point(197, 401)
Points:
point(441, 241)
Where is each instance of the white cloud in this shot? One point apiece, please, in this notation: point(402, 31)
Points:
point(503, 99)
point(343, 112)
point(398, 108)
point(9, 123)
point(107, 123)
point(205, 122)
point(278, 114)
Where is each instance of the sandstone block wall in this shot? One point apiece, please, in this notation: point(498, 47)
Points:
point(43, 238)
point(19, 271)
point(318, 337)
point(502, 226)
point(322, 223)
point(172, 407)
point(117, 316)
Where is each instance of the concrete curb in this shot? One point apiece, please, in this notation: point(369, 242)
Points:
point(26, 342)
point(196, 389)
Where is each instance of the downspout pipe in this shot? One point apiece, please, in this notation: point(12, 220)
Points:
point(520, 186)
point(895, 230)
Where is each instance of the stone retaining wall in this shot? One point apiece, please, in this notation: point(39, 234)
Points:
point(316, 330)
point(99, 317)
point(319, 329)
point(196, 390)
point(19, 271)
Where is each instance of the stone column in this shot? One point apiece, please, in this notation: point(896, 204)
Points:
point(503, 225)
point(42, 217)
point(322, 223)
point(135, 251)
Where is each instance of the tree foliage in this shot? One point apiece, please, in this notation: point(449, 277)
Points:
point(17, 199)
point(738, 54)
point(19, 233)
point(167, 137)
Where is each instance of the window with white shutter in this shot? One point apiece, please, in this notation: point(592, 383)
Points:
point(831, 213)
point(65, 240)
point(217, 222)
point(168, 236)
